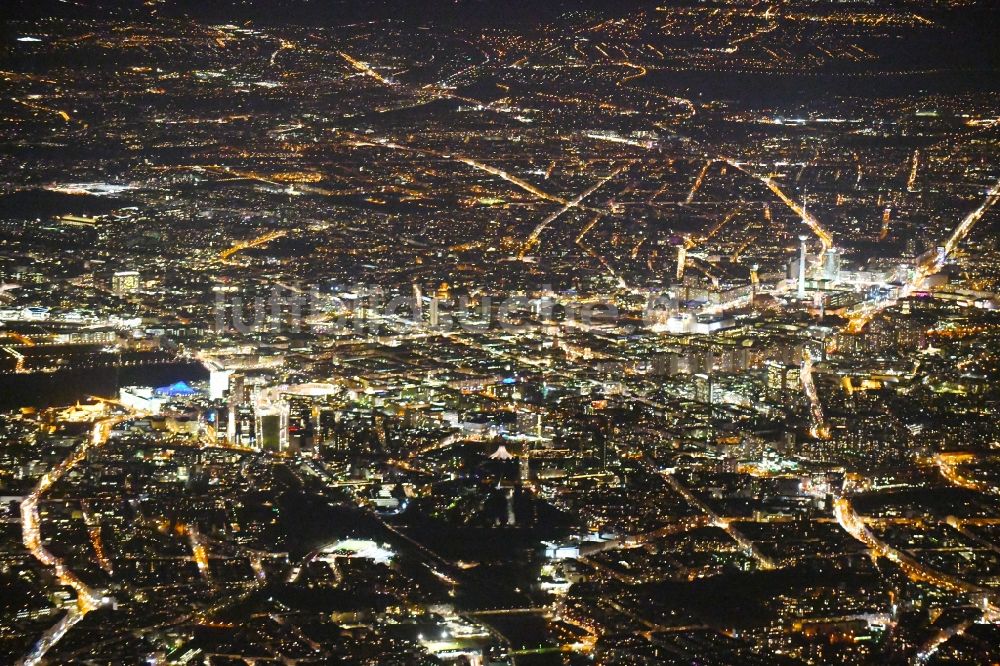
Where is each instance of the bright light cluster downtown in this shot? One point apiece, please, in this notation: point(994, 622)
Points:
point(499, 333)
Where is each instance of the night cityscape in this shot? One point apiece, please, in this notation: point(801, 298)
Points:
point(499, 333)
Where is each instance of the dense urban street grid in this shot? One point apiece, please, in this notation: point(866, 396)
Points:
point(500, 332)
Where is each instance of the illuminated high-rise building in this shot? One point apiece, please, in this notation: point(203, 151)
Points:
point(434, 314)
point(236, 398)
point(125, 282)
point(802, 266)
point(831, 265)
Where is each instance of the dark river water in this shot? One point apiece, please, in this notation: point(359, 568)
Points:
point(67, 386)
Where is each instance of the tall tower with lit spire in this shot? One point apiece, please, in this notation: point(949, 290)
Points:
point(802, 253)
point(418, 305)
point(802, 266)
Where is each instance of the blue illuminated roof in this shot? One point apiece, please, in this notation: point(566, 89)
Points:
point(177, 389)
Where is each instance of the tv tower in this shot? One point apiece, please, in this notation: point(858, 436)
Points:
point(802, 266)
point(418, 304)
point(802, 253)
